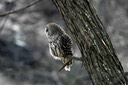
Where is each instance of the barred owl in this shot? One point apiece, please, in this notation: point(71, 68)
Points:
point(60, 44)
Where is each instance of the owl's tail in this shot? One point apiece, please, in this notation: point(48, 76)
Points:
point(68, 66)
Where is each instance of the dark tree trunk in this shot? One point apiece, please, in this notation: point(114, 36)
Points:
point(88, 32)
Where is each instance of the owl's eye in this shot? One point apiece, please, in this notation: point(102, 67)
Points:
point(46, 30)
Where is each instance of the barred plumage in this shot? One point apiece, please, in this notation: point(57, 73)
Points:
point(60, 44)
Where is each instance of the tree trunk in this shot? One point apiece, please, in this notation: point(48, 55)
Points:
point(100, 60)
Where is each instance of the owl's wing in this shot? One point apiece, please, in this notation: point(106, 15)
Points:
point(66, 45)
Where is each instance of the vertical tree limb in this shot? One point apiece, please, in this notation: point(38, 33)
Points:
point(90, 35)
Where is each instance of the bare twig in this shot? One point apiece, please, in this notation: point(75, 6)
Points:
point(5, 19)
point(3, 23)
point(21, 9)
point(73, 58)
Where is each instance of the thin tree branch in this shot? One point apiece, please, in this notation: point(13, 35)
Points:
point(21, 9)
point(73, 58)
point(5, 19)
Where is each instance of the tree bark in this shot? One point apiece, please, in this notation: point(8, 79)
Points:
point(86, 28)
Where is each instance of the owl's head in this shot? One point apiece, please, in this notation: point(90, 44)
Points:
point(53, 29)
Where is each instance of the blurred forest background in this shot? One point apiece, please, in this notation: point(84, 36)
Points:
point(24, 53)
